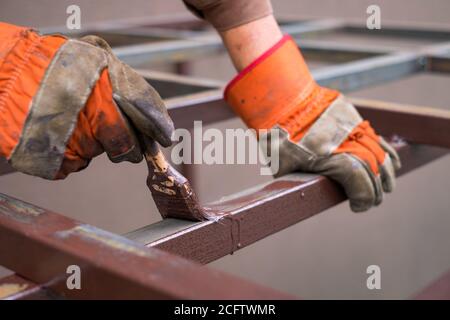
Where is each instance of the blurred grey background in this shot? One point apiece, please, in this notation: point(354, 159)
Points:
point(326, 256)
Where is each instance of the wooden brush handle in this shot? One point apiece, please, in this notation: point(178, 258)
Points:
point(153, 155)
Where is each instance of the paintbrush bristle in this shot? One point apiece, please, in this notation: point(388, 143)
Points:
point(174, 196)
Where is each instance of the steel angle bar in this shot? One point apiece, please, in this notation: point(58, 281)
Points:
point(172, 51)
point(435, 31)
point(163, 32)
point(195, 29)
point(188, 49)
point(170, 85)
point(340, 52)
point(192, 28)
point(177, 79)
point(312, 26)
point(206, 43)
point(363, 73)
point(40, 245)
point(208, 107)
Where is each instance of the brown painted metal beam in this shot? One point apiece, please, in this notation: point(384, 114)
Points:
point(438, 63)
point(15, 287)
point(417, 124)
point(40, 245)
point(257, 213)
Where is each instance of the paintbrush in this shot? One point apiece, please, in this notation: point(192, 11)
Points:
point(171, 191)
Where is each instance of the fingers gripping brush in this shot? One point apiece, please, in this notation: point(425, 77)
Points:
point(171, 191)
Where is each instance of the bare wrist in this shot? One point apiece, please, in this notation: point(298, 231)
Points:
point(249, 41)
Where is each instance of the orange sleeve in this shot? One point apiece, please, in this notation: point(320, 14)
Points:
point(24, 57)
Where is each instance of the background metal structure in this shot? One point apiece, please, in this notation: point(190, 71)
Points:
point(146, 263)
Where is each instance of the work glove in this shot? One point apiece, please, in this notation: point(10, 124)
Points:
point(63, 102)
point(318, 129)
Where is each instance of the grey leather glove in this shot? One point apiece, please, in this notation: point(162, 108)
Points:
point(342, 146)
point(86, 101)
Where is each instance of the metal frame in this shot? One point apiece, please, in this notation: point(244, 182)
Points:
point(39, 245)
point(112, 266)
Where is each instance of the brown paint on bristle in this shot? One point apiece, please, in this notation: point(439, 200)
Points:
point(171, 191)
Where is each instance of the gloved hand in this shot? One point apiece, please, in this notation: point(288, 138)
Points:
point(319, 130)
point(63, 102)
